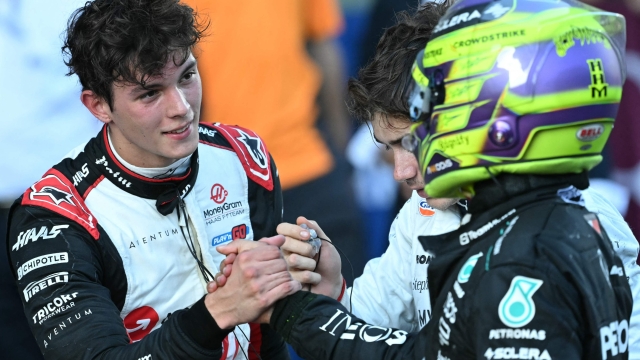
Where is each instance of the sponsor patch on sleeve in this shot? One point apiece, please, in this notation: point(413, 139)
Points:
point(56, 193)
point(251, 151)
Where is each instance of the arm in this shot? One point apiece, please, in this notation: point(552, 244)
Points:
point(67, 303)
point(382, 294)
point(321, 328)
point(626, 247)
point(321, 272)
point(560, 314)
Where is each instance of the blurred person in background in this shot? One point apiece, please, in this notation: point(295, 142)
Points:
point(275, 67)
point(623, 160)
point(41, 120)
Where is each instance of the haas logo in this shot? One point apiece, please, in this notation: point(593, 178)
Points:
point(140, 322)
point(218, 193)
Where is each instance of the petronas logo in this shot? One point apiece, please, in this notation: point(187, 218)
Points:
point(467, 268)
point(517, 308)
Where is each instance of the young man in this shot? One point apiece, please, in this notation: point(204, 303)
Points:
point(114, 246)
point(530, 274)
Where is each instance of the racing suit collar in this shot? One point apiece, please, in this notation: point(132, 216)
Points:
point(165, 191)
point(492, 206)
point(500, 189)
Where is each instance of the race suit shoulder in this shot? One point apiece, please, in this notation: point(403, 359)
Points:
point(393, 291)
point(534, 278)
point(105, 259)
point(627, 248)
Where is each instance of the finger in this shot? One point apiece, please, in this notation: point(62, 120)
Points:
point(306, 277)
point(239, 246)
point(276, 240)
point(283, 290)
point(229, 259)
point(293, 231)
point(254, 271)
point(212, 286)
point(257, 256)
point(226, 271)
point(269, 282)
point(298, 247)
point(298, 262)
point(221, 279)
point(312, 224)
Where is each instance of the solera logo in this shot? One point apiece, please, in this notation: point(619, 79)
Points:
point(218, 193)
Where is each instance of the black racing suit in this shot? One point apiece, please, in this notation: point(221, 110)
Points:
point(105, 259)
point(531, 277)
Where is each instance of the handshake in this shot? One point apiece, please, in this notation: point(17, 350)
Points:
point(256, 274)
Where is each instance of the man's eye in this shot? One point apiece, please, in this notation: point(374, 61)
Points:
point(148, 94)
point(189, 75)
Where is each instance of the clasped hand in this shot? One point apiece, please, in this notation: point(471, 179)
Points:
point(252, 277)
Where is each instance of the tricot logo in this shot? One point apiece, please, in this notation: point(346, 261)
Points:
point(218, 193)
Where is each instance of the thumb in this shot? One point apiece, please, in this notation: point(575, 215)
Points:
point(277, 240)
point(238, 246)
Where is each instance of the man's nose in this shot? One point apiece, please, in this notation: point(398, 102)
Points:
point(405, 165)
point(178, 104)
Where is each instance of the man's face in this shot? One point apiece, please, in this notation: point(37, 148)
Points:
point(156, 126)
point(389, 132)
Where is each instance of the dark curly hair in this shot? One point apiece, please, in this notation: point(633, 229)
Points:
point(109, 41)
point(381, 84)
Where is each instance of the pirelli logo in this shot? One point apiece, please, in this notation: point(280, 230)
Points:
point(598, 83)
point(37, 286)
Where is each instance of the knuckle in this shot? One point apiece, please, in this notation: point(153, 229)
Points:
point(250, 272)
point(243, 257)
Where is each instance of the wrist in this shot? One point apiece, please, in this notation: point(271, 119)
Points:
point(198, 324)
point(220, 315)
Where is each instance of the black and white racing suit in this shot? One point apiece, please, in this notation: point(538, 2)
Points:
point(534, 277)
point(104, 274)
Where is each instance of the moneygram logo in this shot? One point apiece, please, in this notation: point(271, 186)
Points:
point(218, 193)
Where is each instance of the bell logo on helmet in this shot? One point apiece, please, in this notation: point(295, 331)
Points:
point(439, 166)
point(590, 132)
point(517, 308)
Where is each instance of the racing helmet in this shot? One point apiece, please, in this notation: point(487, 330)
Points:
point(514, 86)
